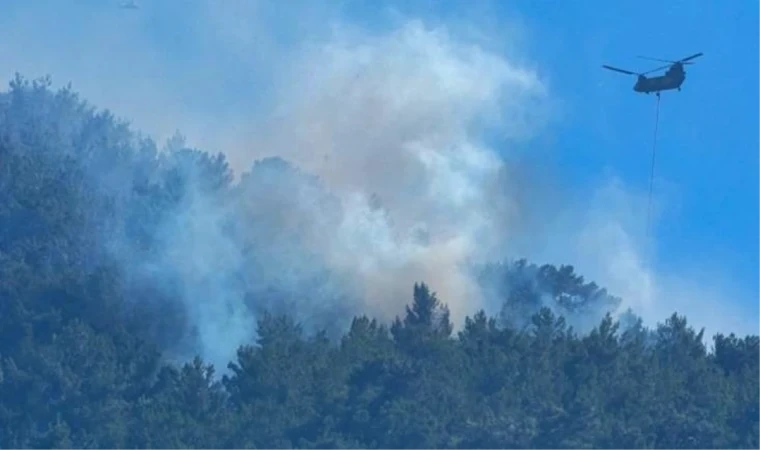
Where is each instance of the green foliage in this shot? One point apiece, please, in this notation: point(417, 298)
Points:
point(84, 344)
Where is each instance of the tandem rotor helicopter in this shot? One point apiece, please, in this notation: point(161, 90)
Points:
point(672, 79)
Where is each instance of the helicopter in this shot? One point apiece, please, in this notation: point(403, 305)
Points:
point(672, 79)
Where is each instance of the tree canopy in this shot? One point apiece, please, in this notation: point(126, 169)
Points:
point(99, 329)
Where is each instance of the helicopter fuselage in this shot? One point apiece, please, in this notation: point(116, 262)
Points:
point(672, 79)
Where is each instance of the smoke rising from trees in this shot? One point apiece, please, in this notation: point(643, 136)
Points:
point(389, 171)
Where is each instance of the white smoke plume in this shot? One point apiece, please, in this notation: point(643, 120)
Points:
point(393, 125)
point(604, 237)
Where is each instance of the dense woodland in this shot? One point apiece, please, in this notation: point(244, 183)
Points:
point(91, 343)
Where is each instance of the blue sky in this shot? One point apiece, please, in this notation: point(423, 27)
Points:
point(707, 150)
point(706, 185)
point(706, 169)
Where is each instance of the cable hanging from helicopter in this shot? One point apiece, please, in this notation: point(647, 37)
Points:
point(673, 78)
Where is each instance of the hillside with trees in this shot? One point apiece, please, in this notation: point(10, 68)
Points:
point(99, 325)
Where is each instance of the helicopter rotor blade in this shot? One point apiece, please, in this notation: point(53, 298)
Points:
point(656, 59)
point(615, 69)
point(655, 70)
point(682, 61)
point(696, 55)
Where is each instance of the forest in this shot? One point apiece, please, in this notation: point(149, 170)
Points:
point(113, 334)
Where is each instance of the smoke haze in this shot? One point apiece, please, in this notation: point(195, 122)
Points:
point(396, 176)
